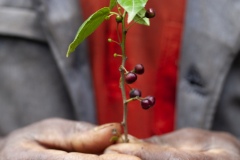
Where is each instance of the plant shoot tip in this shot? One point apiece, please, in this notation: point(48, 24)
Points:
point(117, 55)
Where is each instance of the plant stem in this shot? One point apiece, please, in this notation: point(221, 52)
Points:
point(122, 80)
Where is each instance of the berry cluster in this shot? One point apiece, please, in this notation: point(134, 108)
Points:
point(131, 77)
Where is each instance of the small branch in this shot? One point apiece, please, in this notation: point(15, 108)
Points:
point(113, 13)
point(119, 39)
point(122, 82)
point(119, 9)
point(117, 55)
point(132, 99)
point(111, 40)
point(134, 22)
point(123, 68)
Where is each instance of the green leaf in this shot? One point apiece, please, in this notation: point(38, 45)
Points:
point(141, 19)
point(112, 4)
point(88, 27)
point(132, 7)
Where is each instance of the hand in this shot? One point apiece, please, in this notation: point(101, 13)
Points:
point(184, 144)
point(56, 139)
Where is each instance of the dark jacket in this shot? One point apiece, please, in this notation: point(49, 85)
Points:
point(37, 81)
point(208, 87)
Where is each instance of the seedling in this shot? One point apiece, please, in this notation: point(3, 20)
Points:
point(129, 12)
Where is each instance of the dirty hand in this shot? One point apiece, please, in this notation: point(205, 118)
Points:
point(184, 144)
point(55, 139)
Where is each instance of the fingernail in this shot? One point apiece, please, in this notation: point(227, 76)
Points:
point(102, 127)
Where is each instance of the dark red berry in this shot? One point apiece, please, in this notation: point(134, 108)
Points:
point(135, 93)
point(150, 13)
point(151, 99)
point(139, 69)
point(119, 19)
point(130, 77)
point(145, 103)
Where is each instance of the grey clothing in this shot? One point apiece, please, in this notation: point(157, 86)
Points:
point(31, 85)
point(208, 89)
point(37, 81)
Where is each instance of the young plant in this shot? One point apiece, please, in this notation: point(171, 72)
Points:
point(129, 12)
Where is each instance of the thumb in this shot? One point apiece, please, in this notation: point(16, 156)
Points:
point(75, 136)
point(95, 140)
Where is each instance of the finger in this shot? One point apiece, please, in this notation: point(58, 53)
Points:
point(141, 150)
point(95, 140)
point(78, 156)
point(44, 154)
point(75, 136)
point(151, 151)
point(118, 156)
point(40, 153)
point(33, 152)
point(124, 148)
point(178, 138)
point(131, 139)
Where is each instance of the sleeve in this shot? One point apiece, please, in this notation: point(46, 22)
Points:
point(60, 20)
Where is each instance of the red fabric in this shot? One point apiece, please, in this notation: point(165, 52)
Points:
point(157, 48)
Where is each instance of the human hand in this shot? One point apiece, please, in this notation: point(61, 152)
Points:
point(184, 144)
point(56, 139)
